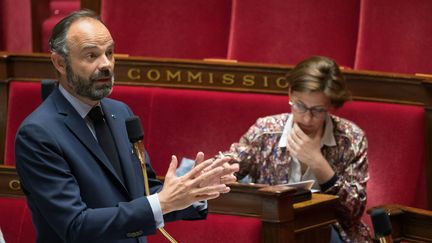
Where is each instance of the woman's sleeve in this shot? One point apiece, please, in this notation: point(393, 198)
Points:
point(351, 183)
point(246, 152)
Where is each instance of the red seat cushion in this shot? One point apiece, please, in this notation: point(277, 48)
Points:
point(217, 228)
point(15, 221)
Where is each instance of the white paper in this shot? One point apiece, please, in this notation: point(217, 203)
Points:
point(302, 184)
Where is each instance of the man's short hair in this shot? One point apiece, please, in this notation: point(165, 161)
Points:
point(58, 39)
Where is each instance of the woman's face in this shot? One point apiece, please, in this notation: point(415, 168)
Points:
point(309, 110)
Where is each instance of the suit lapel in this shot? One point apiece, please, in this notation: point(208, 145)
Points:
point(79, 128)
point(116, 122)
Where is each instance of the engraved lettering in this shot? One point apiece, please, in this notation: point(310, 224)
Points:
point(228, 78)
point(282, 83)
point(197, 77)
point(134, 73)
point(175, 75)
point(211, 78)
point(265, 81)
point(249, 80)
point(153, 74)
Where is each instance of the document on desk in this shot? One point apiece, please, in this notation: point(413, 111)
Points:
point(307, 185)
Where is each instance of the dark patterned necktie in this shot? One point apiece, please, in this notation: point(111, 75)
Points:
point(105, 138)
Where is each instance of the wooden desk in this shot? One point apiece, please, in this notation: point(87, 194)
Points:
point(313, 218)
point(283, 219)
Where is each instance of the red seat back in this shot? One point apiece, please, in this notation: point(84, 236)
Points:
point(396, 151)
point(166, 28)
point(395, 36)
point(23, 98)
point(184, 122)
point(288, 31)
point(58, 10)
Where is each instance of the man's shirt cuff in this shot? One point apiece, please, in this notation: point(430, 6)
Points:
point(156, 208)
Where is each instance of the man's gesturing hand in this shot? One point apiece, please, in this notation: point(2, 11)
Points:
point(204, 182)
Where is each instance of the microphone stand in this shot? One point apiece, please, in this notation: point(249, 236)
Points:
point(140, 150)
point(381, 225)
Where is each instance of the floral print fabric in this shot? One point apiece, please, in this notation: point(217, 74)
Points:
point(260, 158)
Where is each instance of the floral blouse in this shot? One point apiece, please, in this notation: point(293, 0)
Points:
point(262, 158)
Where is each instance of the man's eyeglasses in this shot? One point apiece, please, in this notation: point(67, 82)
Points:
point(302, 108)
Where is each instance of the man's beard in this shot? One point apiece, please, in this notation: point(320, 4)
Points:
point(85, 86)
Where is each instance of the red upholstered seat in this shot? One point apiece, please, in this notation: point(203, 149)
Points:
point(140, 99)
point(396, 151)
point(217, 228)
point(287, 31)
point(47, 27)
point(184, 122)
point(15, 26)
point(395, 36)
point(23, 98)
point(17, 227)
point(58, 10)
point(15, 221)
point(63, 7)
point(166, 28)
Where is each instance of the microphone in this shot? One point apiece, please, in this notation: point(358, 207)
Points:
point(47, 86)
point(382, 226)
point(136, 136)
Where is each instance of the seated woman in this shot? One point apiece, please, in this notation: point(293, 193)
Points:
point(311, 143)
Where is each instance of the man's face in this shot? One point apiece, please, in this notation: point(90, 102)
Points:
point(90, 63)
point(309, 110)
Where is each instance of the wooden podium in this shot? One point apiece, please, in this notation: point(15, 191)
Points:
point(287, 214)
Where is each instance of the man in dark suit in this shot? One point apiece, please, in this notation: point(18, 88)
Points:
point(77, 189)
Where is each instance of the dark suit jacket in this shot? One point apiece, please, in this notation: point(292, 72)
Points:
point(71, 187)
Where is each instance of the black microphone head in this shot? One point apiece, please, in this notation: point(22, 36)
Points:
point(134, 129)
point(381, 222)
point(47, 86)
